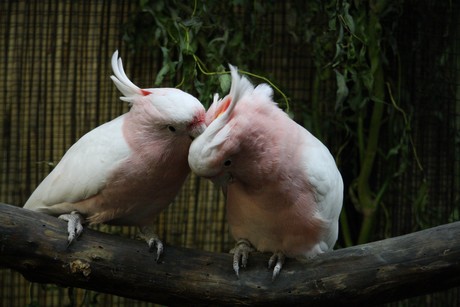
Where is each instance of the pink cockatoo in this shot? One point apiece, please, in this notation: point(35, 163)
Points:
point(283, 189)
point(126, 171)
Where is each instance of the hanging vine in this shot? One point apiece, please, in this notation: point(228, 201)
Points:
point(197, 39)
point(353, 42)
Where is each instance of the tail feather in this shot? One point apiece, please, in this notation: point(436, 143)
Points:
point(122, 82)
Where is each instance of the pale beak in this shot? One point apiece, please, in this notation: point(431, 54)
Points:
point(197, 130)
point(221, 179)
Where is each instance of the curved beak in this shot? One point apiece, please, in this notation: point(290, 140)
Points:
point(196, 130)
point(221, 179)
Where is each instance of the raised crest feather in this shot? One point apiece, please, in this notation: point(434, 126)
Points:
point(223, 106)
point(240, 87)
point(122, 82)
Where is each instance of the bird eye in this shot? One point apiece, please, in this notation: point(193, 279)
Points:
point(228, 163)
point(172, 129)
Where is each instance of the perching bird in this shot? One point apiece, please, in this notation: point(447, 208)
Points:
point(126, 171)
point(283, 189)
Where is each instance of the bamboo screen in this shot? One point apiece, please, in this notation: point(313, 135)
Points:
point(55, 87)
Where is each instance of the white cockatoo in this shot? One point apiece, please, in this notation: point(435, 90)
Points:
point(126, 171)
point(283, 189)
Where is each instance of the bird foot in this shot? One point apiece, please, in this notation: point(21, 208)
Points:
point(152, 240)
point(240, 254)
point(276, 262)
point(74, 225)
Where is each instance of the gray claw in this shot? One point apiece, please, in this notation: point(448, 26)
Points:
point(156, 241)
point(276, 262)
point(74, 225)
point(241, 252)
point(152, 239)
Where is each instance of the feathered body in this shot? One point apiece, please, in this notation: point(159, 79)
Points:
point(284, 191)
point(127, 170)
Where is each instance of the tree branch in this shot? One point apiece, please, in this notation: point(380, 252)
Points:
point(35, 245)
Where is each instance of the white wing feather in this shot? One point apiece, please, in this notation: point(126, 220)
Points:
point(322, 173)
point(84, 169)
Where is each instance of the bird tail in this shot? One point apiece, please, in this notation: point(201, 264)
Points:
point(122, 82)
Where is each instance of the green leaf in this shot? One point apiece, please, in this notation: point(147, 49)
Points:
point(342, 89)
point(348, 19)
point(368, 80)
point(161, 74)
point(338, 44)
point(225, 82)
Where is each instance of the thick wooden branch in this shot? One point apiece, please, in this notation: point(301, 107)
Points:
point(35, 245)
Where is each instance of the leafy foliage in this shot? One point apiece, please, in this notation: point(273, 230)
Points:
point(354, 43)
point(196, 37)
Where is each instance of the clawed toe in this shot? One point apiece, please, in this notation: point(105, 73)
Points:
point(152, 239)
point(276, 262)
point(74, 225)
point(155, 241)
point(240, 255)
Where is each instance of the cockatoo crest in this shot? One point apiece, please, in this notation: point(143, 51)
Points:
point(122, 82)
point(224, 107)
point(218, 117)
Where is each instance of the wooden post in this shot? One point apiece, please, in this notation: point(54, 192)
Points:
point(35, 245)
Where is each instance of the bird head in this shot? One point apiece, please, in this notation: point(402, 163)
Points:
point(215, 152)
point(168, 110)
